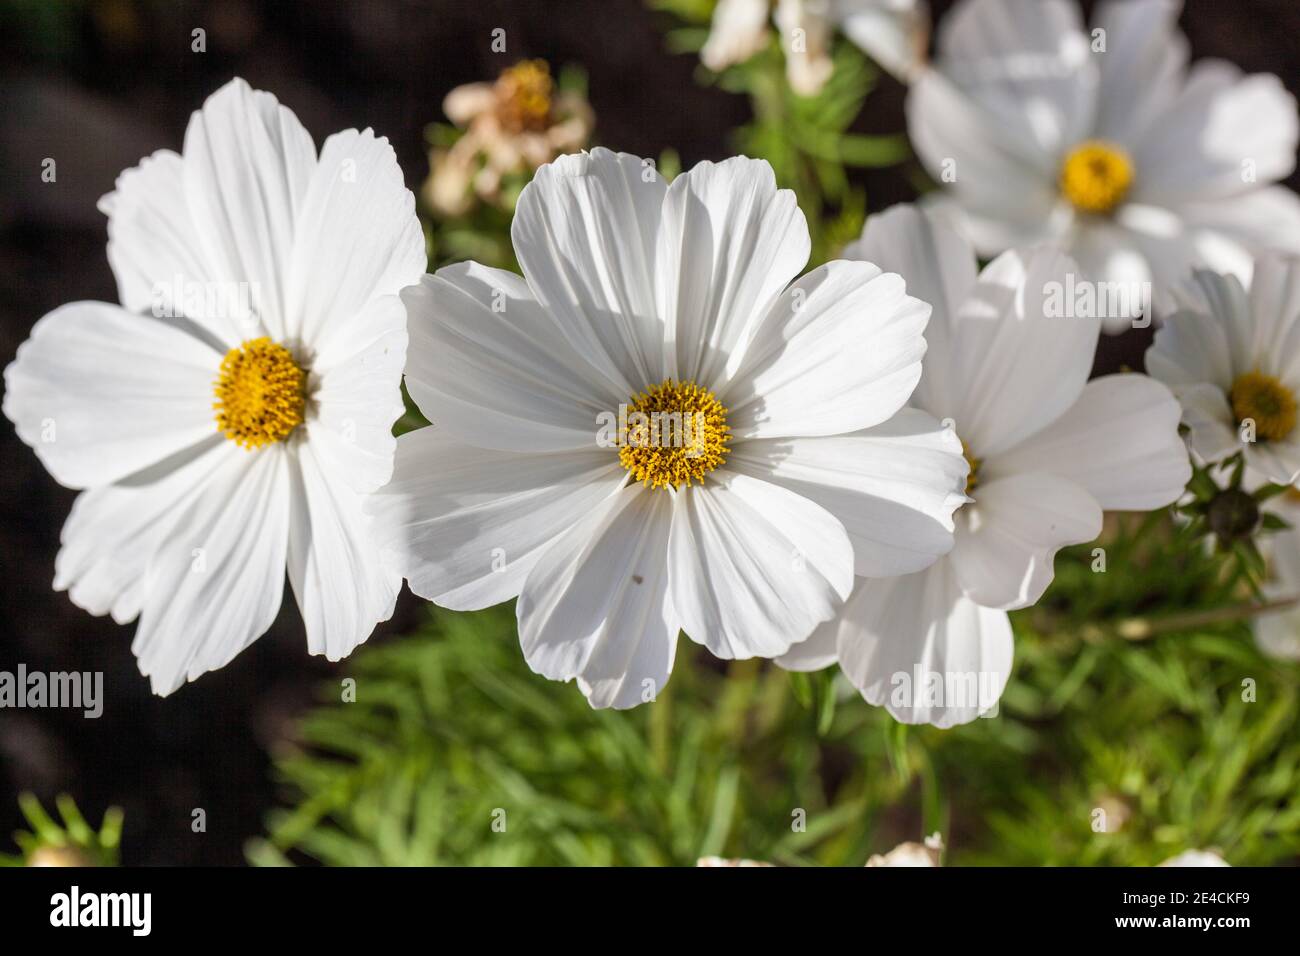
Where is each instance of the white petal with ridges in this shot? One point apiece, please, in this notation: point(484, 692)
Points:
point(342, 585)
point(596, 607)
point(356, 238)
point(894, 487)
point(755, 568)
point(729, 242)
point(1119, 441)
point(215, 584)
point(585, 232)
point(1006, 541)
point(466, 525)
point(248, 162)
point(100, 393)
point(113, 530)
point(494, 367)
point(915, 646)
point(840, 350)
point(358, 396)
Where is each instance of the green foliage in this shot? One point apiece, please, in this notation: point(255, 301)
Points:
point(449, 727)
point(70, 843)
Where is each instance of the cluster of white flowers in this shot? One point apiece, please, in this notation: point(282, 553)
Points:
point(663, 425)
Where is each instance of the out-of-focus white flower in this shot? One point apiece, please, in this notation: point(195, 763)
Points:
point(1277, 633)
point(1196, 858)
point(514, 125)
point(1048, 451)
point(227, 419)
point(894, 33)
point(719, 861)
point(555, 472)
point(1107, 143)
point(1232, 359)
point(912, 854)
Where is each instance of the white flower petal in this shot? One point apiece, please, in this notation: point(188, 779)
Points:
point(1212, 429)
point(1006, 541)
point(1275, 308)
point(358, 396)
point(1016, 368)
point(939, 267)
point(466, 524)
point(1278, 632)
point(1142, 71)
point(894, 487)
point(840, 350)
point(737, 32)
point(113, 530)
point(1028, 64)
point(991, 162)
point(816, 653)
point(247, 165)
point(100, 393)
point(1228, 235)
point(597, 607)
point(584, 232)
point(1192, 347)
point(892, 33)
point(216, 582)
point(1277, 461)
point(729, 242)
point(1119, 441)
point(342, 585)
point(356, 238)
point(155, 250)
point(493, 367)
point(1220, 120)
point(1195, 858)
point(755, 568)
point(915, 646)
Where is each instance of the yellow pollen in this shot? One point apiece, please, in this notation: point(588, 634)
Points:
point(673, 433)
point(1265, 401)
point(524, 92)
point(973, 477)
point(1096, 176)
point(260, 394)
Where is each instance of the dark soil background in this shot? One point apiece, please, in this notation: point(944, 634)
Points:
point(97, 84)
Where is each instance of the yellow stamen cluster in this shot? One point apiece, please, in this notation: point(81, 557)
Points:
point(673, 433)
point(261, 394)
point(1096, 177)
point(973, 476)
point(1265, 401)
point(524, 91)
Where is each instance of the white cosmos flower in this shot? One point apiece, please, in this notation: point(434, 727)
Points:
point(225, 420)
point(1049, 450)
point(894, 33)
point(1233, 360)
point(1139, 166)
point(639, 297)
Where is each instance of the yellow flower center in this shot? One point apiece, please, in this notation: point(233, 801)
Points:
point(1265, 401)
point(525, 95)
point(261, 394)
point(973, 477)
point(1096, 176)
point(673, 433)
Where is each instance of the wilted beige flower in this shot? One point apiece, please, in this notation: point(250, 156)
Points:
point(514, 125)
